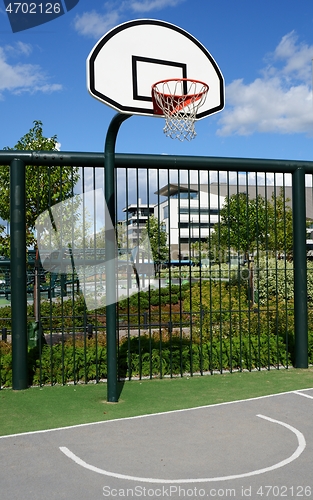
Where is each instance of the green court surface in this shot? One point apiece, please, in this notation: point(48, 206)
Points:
point(60, 406)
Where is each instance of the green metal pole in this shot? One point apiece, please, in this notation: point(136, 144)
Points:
point(110, 255)
point(300, 268)
point(18, 275)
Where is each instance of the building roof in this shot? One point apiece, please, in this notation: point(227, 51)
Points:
point(224, 189)
point(172, 188)
point(253, 190)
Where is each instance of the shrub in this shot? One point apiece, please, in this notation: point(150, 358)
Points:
point(79, 361)
point(155, 355)
point(5, 365)
point(226, 311)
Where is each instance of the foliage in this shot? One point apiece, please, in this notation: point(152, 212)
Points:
point(274, 279)
point(98, 239)
point(166, 295)
point(45, 186)
point(226, 313)
point(227, 333)
point(199, 250)
point(77, 360)
point(84, 360)
point(280, 217)
point(156, 233)
point(5, 364)
point(67, 314)
point(247, 225)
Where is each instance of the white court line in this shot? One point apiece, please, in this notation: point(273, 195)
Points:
point(304, 395)
point(150, 414)
point(294, 456)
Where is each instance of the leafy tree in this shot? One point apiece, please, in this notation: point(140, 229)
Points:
point(280, 240)
point(199, 250)
point(156, 233)
point(121, 230)
point(247, 225)
point(45, 186)
point(97, 240)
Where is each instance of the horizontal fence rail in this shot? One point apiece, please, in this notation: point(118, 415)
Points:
point(229, 287)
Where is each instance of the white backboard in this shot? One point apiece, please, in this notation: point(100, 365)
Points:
point(130, 58)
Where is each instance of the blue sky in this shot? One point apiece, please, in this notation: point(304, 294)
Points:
point(264, 49)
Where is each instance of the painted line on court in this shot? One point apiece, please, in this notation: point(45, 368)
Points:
point(294, 456)
point(304, 395)
point(194, 408)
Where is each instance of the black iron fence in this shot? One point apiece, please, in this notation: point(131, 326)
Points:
point(231, 285)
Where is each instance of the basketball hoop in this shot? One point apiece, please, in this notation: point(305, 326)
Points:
point(179, 99)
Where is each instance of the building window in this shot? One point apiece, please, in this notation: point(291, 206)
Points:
point(186, 225)
point(201, 211)
point(186, 241)
point(165, 212)
point(185, 195)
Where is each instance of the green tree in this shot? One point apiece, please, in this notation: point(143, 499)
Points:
point(199, 250)
point(247, 225)
point(45, 186)
point(156, 232)
point(280, 239)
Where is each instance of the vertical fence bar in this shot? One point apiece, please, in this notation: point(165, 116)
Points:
point(110, 255)
point(285, 252)
point(18, 275)
point(300, 268)
point(257, 310)
point(228, 259)
point(179, 257)
point(268, 271)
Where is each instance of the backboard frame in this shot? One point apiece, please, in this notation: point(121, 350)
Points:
point(141, 102)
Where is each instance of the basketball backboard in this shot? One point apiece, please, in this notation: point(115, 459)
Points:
point(130, 58)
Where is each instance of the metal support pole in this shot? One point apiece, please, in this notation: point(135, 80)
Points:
point(4, 334)
point(18, 275)
point(300, 268)
point(110, 256)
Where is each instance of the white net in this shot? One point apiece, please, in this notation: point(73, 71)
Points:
point(179, 100)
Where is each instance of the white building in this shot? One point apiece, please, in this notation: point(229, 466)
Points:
point(189, 214)
point(136, 217)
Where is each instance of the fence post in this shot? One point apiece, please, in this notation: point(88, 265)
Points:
point(4, 334)
point(300, 268)
point(110, 255)
point(18, 275)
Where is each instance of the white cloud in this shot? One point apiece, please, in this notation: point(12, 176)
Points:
point(19, 48)
point(280, 101)
point(94, 24)
point(296, 57)
point(21, 77)
point(149, 5)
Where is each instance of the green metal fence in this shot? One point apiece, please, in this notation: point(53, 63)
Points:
point(232, 283)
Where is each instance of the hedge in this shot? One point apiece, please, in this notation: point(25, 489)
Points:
point(85, 360)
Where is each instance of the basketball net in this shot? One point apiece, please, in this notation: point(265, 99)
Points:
point(179, 100)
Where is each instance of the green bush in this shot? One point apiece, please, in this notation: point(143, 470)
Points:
point(79, 361)
point(159, 297)
point(158, 355)
point(229, 334)
point(5, 365)
point(66, 313)
point(227, 312)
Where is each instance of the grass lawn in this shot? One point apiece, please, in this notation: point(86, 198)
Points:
point(4, 302)
point(50, 407)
